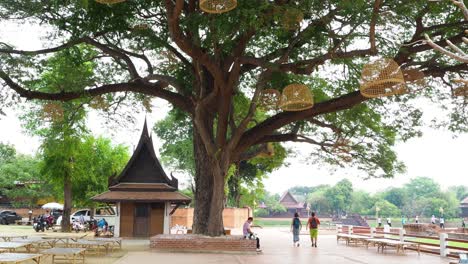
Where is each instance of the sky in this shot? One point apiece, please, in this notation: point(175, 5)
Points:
point(437, 154)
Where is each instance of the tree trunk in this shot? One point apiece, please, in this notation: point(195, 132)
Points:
point(203, 186)
point(67, 204)
point(215, 223)
point(209, 192)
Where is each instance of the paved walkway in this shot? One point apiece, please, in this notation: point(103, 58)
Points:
point(277, 248)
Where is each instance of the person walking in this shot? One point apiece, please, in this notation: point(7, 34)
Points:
point(379, 221)
point(403, 221)
point(417, 219)
point(313, 224)
point(463, 223)
point(296, 227)
point(389, 221)
point(442, 222)
point(433, 219)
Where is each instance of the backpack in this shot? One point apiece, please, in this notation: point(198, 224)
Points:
point(296, 222)
point(313, 223)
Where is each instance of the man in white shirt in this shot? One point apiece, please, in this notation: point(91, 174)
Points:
point(389, 222)
point(442, 222)
point(379, 221)
point(247, 232)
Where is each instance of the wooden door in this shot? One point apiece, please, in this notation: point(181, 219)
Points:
point(142, 220)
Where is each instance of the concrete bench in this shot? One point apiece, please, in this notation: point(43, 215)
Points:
point(199, 243)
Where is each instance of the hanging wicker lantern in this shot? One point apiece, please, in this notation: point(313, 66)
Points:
point(461, 91)
point(217, 6)
point(270, 151)
point(292, 18)
point(296, 97)
point(141, 27)
point(269, 99)
point(382, 78)
point(52, 112)
point(414, 79)
point(109, 2)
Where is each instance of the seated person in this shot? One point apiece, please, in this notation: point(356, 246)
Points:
point(247, 231)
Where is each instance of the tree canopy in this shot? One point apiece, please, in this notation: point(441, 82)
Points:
point(215, 67)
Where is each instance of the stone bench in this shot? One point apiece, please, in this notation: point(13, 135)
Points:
point(199, 243)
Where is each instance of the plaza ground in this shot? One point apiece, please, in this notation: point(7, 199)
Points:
point(277, 248)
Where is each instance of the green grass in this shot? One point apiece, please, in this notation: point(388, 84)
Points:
point(437, 243)
point(266, 222)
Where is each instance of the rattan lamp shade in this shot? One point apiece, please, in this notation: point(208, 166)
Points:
point(109, 2)
point(292, 19)
point(270, 151)
point(52, 112)
point(296, 97)
point(269, 99)
point(461, 91)
point(217, 6)
point(382, 78)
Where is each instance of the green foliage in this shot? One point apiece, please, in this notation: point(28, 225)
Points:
point(422, 187)
point(396, 196)
point(340, 196)
point(21, 181)
point(7, 153)
point(461, 192)
point(386, 208)
point(95, 161)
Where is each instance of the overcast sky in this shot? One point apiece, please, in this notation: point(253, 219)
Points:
point(436, 155)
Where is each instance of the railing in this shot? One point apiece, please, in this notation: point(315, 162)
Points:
point(440, 246)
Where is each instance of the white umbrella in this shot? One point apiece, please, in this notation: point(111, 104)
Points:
point(53, 206)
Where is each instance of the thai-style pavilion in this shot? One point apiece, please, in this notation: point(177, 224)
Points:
point(291, 204)
point(145, 197)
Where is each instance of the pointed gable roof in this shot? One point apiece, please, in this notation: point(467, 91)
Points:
point(144, 167)
point(288, 198)
point(289, 201)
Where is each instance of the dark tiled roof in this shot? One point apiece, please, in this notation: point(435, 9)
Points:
point(141, 187)
point(139, 196)
point(144, 166)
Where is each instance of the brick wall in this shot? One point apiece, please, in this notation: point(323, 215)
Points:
point(198, 243)
point(232, 217)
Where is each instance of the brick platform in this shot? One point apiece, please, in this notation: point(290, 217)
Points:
point(198, 243)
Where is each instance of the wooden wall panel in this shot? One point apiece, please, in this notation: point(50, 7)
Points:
point(157, 219)
point(127, 210)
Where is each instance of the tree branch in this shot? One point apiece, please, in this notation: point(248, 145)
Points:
point(153, 89)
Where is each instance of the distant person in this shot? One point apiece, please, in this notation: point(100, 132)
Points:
point(417, 219)
point(433, 220)
point(442, 222)
point(296, 227)
point(379, 222)
point(30, 213)
point(81, 219)
point(247, 231)
point(463, 223)
point(313, 224)
point(389, 221)
point(403, 220)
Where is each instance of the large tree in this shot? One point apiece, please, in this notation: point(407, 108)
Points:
point(203, 63)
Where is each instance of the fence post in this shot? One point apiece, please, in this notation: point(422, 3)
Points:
point(372, 232)
point(443, 244)
point(402, 233)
